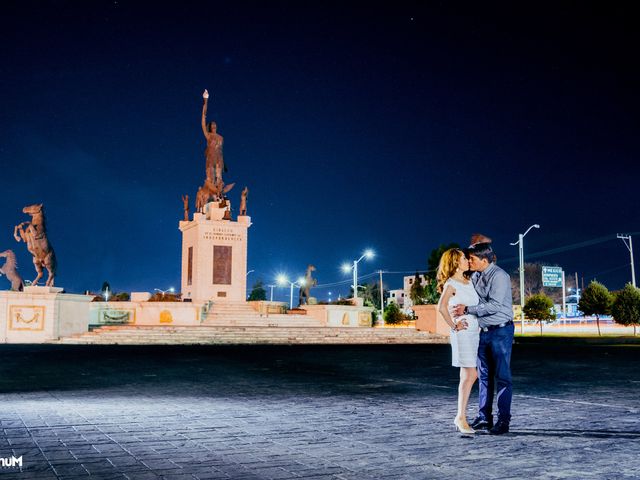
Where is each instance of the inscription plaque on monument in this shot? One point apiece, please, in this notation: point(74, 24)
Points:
point(222, 265)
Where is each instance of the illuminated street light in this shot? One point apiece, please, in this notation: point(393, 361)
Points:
point(520, 244)
point(346, 268)
point(170, 290)
point(283, 280)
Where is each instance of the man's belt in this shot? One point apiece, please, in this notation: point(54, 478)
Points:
point(488, 328)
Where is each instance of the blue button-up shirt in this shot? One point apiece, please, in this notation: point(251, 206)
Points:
point(494, 289)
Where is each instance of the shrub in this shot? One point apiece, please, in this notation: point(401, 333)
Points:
point(596, 300)
point(626, 307)
point(539, 307)
point(393, 315)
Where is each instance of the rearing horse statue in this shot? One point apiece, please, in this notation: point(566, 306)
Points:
point(309, 282)
point(10, 269)
point(34, 234)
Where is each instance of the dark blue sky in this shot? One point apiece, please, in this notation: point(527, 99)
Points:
point(396, 128)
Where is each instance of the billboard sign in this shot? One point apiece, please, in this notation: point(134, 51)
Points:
point(552, 277)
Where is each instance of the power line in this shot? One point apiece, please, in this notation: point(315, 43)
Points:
point(566, 248)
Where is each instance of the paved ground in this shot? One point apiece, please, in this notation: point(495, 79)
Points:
point(310, 412)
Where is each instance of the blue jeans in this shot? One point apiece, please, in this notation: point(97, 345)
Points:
point(494, 370)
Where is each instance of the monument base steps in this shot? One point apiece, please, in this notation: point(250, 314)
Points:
point(243, 314)
point(247, 335)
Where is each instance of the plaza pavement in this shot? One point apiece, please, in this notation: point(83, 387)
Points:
point(311, 412)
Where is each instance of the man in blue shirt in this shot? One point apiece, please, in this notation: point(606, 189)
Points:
point(495, 317)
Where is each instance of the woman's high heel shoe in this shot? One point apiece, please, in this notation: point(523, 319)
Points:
point(463, 427)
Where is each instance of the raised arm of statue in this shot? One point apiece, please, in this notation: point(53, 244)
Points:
point(205, 95)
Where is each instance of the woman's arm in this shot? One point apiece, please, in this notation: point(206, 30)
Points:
point(205, 95)
point(443, 308)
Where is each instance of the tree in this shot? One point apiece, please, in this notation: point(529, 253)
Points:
point(431, 296)
point(434, 258)
point(258, 292)
point(165, 297)
point(370, 293)
point(595, 300)
point(626, 307)
point(392, 314)
point(416, 293)
point(539, 307)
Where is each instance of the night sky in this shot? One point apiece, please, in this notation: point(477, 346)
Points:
point(395, 128)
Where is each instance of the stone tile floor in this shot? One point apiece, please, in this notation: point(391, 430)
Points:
point(310, 412)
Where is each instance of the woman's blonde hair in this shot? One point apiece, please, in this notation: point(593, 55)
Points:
point(449, 263)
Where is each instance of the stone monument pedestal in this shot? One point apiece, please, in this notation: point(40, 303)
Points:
point(214, 256)
point(41, 314)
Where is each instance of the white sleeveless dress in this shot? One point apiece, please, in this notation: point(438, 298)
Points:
point(464, 343)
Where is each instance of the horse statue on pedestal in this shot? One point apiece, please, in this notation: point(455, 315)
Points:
point(211, 192)
point(10, 269)
point(308, 282)
point(34, 234)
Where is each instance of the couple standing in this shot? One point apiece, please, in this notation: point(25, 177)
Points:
point(476, 303)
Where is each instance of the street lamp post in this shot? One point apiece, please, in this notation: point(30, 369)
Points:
point(520, 244)
point(283, 280)
point(354, 268)
point(170, 290)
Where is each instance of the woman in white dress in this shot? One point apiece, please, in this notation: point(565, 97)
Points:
point(457, 289)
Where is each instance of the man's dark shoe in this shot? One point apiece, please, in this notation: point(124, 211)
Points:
point(500, 428)
point(479, 423)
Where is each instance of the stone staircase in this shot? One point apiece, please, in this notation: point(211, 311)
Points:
point(244, 315)
point(249, 335)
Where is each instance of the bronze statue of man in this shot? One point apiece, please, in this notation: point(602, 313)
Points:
point(185, 203)
point(243, 201)
point(213, 152)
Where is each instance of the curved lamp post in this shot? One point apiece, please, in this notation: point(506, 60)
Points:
point(170, 290)
point(346, 268)
point(520, 244)
point(283, 280)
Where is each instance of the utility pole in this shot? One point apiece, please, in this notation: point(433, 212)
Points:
point(564, 300)
point(381, 293)
point(629, 246)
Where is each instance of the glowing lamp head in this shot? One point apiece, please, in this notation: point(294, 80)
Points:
point(369, 253)
point(282, 279)
point(346, 268)
point(301, 281)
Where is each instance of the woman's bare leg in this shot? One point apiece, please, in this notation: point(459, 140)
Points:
point(468, 376)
